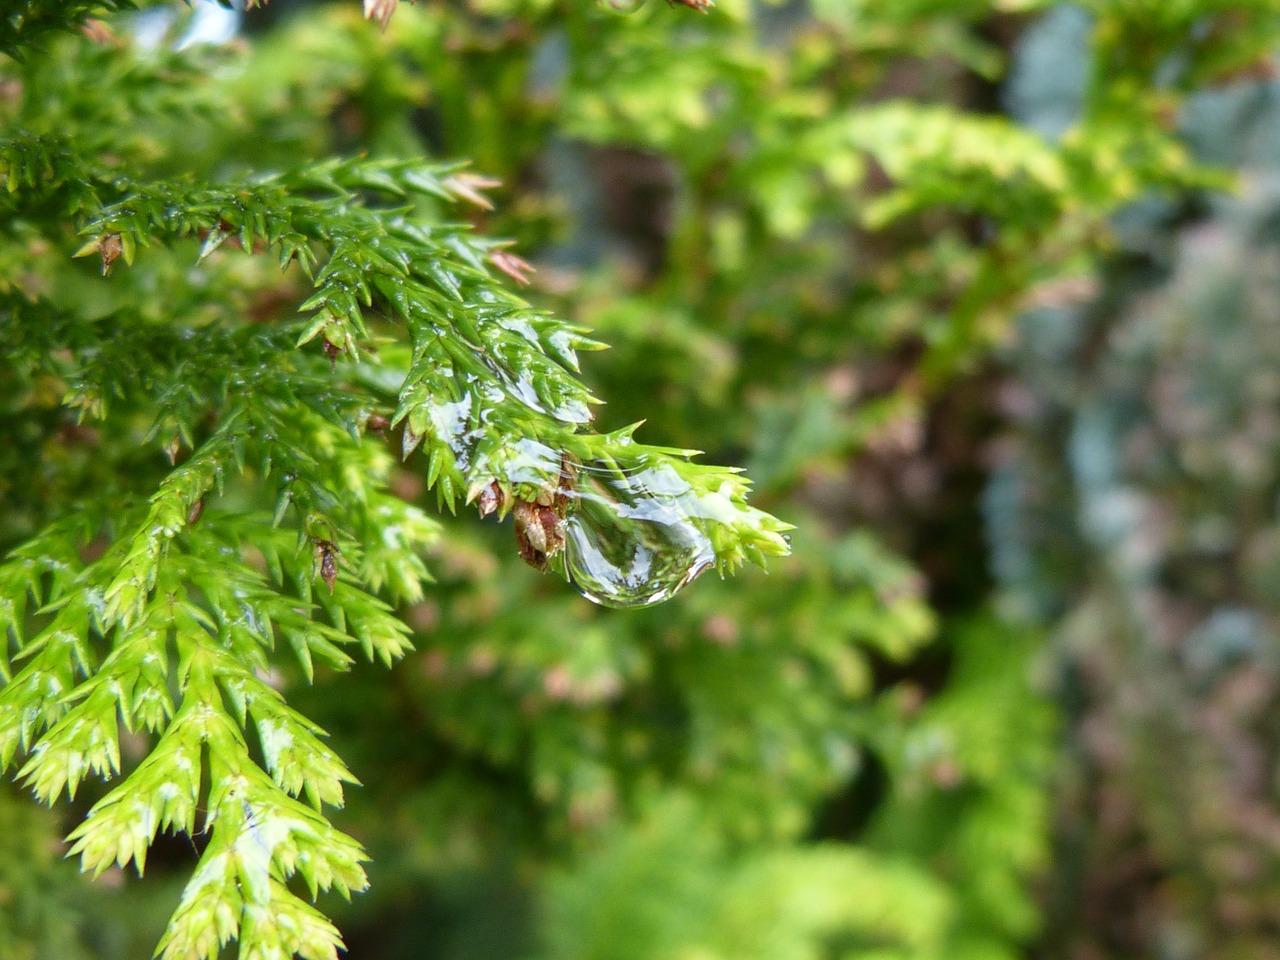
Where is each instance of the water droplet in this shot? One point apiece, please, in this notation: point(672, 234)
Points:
point(629, 535)
point(622, 6)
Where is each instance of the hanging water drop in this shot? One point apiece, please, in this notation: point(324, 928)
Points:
point(629, 536)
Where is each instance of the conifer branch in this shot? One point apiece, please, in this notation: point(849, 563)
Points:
point(489, 385)
point(161, 599)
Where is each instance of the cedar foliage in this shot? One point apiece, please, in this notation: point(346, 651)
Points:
point(271, 483)
point(279, 297)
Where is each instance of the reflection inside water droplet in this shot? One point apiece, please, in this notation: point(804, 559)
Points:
point(629, 537)
point(622, 6)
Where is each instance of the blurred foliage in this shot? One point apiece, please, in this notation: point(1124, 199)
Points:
point(806, 233)
point(1137, 503)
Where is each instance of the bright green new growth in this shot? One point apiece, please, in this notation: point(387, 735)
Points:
point(158, 606)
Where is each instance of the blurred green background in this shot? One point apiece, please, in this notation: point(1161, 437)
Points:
point(983, 296)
